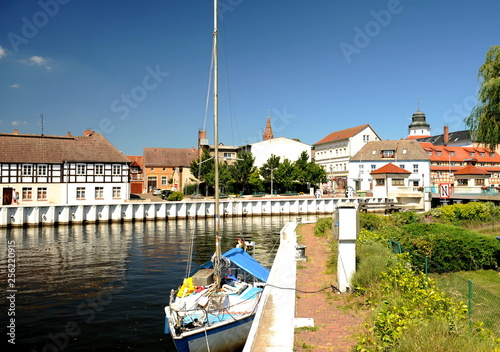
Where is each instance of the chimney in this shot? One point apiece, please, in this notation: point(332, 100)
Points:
point(446, 136)
point(88, 133)
point(69, 134)
point(16, 131)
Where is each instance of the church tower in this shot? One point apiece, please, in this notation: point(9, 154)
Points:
point(268, 133)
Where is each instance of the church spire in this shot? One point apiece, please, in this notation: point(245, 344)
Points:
point(268, 133)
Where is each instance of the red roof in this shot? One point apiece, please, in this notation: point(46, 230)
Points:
point(471, 170)
point(390, 169)
point(343, 134)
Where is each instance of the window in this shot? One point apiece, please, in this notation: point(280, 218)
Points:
point(228, 155)
point(415, 168)
point(99, 193)
point(164, 169)
point(42, 170)
point(373, 166)
point(492, 155)
point(405, 151)
point(402, 166)
point(99, 169)
point(27, 193)
point(80, 192)
point(462, 182)
point(116, 170)
point(366, 137)
point(398, 182)
point(429, 152)
point(41, 193)
point(472, 154)
point(388, 153)
point(152, 169)
point(482, 154)
point(27, 170)
point(379, 182)
point(164, 180)
point(117, 192)
point(439, 153)
point(80, 169)
point(479, 182)
point(452, 153)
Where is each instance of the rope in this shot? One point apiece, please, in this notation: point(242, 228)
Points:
point(334, 289)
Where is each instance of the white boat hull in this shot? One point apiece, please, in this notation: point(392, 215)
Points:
point(227, 336)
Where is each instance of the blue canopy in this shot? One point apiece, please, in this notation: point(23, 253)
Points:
point(245, 261)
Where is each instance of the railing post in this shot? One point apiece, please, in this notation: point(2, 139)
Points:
point(470, 304)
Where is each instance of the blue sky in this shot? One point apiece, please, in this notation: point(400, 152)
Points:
point(137, 71)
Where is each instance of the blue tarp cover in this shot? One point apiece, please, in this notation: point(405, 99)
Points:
point(245, 261)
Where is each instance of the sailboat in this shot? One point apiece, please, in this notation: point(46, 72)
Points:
point(214, 307)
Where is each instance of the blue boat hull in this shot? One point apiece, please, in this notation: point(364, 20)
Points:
point(227, 337)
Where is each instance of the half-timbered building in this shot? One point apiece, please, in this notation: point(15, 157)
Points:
point(40, 169)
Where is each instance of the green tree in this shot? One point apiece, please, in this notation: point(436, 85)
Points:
point(203, 169)
point(255, 181)
point(316, 174)
point(269, 168)
point(301, 166)
point(242, 169)
point(285, 175)
point(484, 120)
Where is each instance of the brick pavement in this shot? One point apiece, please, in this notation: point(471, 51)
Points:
point(336, 325)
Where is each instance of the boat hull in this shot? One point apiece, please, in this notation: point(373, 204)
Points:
point(226, 336)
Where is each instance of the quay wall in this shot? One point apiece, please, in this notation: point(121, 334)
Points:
point(50, 215)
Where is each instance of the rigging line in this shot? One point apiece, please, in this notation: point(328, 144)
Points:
point(272, 249)
point(334, 289)
point(190, 256)
point(207, 100)
point(231, 105)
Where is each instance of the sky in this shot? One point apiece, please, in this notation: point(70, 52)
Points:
point(138, 71)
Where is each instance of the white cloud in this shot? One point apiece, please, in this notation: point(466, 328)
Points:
point(15, 85)
point(18, 123)
point(38, 61)
point(2, 52)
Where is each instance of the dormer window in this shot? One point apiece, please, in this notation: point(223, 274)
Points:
point(472, 154)
point(452, 153)
point(429, 152)
point(388, 153)
point(439, 153)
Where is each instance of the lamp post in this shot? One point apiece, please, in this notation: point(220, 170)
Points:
point(272, 169)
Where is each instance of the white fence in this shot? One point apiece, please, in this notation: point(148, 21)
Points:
point(41, 215)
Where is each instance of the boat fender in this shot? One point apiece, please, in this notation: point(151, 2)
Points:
point(187, 288)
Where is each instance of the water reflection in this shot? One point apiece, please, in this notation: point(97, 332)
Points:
point(103, 287)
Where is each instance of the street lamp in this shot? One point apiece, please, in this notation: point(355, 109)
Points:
point(272, 169)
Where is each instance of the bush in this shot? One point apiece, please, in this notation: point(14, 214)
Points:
point(323, 226)
point(175, 196)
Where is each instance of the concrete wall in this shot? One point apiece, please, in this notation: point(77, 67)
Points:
point(47, 215)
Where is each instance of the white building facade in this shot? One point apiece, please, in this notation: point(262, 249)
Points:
point(283, 147)
point(334, 153)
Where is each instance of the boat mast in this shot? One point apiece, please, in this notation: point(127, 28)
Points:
point(217, 273)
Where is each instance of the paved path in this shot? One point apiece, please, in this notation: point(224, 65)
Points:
point(336, 326)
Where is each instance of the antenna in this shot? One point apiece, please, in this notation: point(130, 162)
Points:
point(41, 116)
point(418, 102)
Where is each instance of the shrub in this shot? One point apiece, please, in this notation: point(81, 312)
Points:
point(175, 196)
point(323, 226)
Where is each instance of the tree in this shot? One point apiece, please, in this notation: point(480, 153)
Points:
point(484, 120)
point(203, 168)
point(242, 169)
point(301, 166)
point(269, 168)
point(285, 175)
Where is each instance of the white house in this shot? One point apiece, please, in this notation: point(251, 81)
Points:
point(40, 169)
point(283, 147)
point(398, 169)
point(334, 152)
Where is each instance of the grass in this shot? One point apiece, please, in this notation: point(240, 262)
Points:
point(308, 328)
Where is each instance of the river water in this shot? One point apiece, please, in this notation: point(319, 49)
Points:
point(103, 287)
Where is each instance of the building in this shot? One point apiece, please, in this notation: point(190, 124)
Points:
point(168, 168)
point(136, 174)
point(42, 169)
point(284, 148)
point(446, 161)
point(397, 169)
point(334, 153)
point(419, 127)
